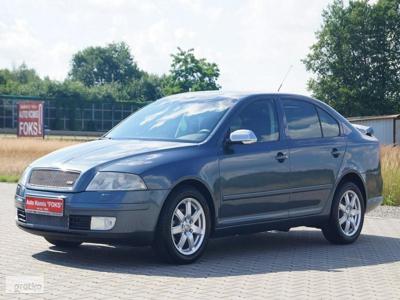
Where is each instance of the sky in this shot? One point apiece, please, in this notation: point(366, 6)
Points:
point(254, 42)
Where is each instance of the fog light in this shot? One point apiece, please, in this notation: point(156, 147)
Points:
point(102, 223)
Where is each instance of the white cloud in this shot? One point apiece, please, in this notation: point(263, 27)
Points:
point(19, 44)
point(15, 41)
point(182, 33)
point(275, 35)
point(58, 55)
point(252, 41)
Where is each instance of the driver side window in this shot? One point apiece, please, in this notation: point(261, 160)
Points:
point(261, 118)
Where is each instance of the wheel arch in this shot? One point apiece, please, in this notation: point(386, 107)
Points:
point(203, 189)
point(355, 178)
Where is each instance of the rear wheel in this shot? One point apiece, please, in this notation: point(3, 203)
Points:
point(63, 244)
point(184, 227)
point(347, 215)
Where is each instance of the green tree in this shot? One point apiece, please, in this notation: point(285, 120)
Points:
point(95, 66)
point(21, 81)
point(147, 88)
point(109, 74)
point(356, 59)
point(24, 75)
point(189, 73)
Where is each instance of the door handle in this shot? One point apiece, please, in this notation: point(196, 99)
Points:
point(335, 152)
point(281, 157)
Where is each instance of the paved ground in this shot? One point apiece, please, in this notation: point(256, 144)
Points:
point(298, 264)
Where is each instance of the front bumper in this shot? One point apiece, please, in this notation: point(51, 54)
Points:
point(136, 214)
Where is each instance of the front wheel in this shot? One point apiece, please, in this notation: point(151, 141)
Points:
point(347, 215)
point(184, 227)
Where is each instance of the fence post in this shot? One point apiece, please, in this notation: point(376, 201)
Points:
point(13, 113)
point(102, 116)
point(82, 116)
point(4, 113)
point(112, 115)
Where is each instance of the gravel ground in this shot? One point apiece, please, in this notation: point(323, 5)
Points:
point(385, 212)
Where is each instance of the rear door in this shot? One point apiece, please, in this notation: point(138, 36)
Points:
point(316, 150)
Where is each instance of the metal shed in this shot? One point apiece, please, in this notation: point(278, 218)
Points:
point(386, 128)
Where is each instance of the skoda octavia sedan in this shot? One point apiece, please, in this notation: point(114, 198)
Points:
point(194, 166)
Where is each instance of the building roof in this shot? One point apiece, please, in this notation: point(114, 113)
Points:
point(369, 118)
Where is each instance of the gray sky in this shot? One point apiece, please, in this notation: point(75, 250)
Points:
point(253, 41)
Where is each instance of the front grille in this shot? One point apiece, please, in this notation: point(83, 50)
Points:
point(79, 222)
point(53, 221)
point(21, 215)
point(73, 222)
point(53, 178)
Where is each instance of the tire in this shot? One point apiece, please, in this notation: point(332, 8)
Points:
point(175, 230)
point(63, 244)
point(347, 215)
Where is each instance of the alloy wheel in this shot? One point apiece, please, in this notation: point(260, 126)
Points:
point(349, 213)
point(188, 226)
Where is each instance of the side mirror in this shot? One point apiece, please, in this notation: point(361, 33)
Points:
point(243, 136)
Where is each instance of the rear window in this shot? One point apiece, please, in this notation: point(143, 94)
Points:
point(330, 127)
point(302, 120)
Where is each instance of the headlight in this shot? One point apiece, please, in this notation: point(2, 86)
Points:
point(113, 181)
point(24, 177)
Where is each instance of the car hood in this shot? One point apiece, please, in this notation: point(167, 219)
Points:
point(101, 152)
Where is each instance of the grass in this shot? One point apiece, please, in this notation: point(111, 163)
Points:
point(390, 163)
point(17, 154)
point(9, 178)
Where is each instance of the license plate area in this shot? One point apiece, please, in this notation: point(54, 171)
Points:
point(44, 206)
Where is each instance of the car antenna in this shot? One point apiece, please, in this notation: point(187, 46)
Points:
point(284, 78)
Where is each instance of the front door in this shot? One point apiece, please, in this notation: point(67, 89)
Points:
point(254, 177)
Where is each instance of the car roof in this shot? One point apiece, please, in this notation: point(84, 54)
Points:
point(234, 96)
point(215, 95)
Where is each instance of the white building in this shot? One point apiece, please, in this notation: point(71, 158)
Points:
point(386, 128)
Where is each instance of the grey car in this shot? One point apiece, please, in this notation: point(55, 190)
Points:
point(198, 165)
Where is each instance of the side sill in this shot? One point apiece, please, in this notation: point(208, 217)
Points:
point(283, 224)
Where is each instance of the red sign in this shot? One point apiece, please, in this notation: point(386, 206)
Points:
point(30, 119)
point(44, 206)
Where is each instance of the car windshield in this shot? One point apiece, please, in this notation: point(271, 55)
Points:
point(186, 120)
